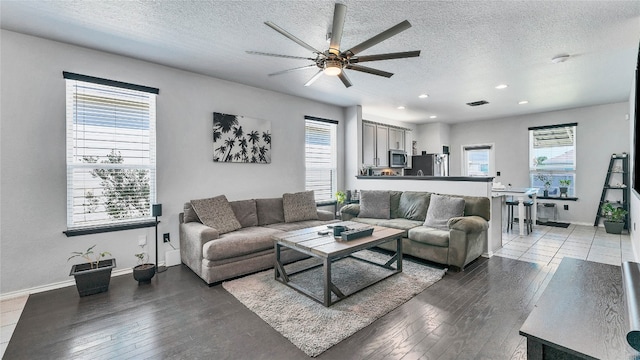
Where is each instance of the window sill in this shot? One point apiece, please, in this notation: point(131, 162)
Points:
point(109, 228)
point(557, 198)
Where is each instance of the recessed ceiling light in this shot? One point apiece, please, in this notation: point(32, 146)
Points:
point(432, 117)
point(523, 102)
point(560, 58)
point(423, 96)
point(502, 86)
point(400, 107)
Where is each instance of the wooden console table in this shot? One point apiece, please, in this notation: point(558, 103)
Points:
point(580, 315)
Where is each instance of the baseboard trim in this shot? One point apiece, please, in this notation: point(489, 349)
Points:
point(58, 285)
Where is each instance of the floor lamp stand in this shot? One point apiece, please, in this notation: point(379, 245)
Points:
point(156, 211)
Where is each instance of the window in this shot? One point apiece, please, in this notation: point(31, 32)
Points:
point(552, 153)
point(111, 152)
point(477, 160)
point(321, 157)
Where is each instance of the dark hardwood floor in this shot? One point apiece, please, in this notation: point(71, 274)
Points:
point(475, 314)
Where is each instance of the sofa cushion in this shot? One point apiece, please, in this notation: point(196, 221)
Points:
point(443, 208)
point(413, 205)
point(398, 223)
point(270, 211)
point(190, 214)
point(241, 242)
point(299, 225)
point(299, 206)
point(429, 236)
point(394, 203)
point(375, 204)
point(246, 212)
point(216, 213)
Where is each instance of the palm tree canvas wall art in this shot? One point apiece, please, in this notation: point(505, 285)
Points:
point(241, 139)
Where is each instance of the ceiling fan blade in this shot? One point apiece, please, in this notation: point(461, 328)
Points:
point(278, 55)
point(345, 79)
point(388, 56)
point(294, 69)
point(379, 38)
point(339, 13)
point(314, 78)
point(291, 37)
point(369, 70)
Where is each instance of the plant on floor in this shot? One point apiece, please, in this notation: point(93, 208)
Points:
point(614, 217)
point(94, 275)
point(144, 271)
point(613, 213)
point(92, 258)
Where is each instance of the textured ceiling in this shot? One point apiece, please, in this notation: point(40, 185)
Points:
point(468, 47)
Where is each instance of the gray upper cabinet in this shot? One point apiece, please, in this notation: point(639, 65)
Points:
point(382, 145)
point(378, 139)
point(368, 144)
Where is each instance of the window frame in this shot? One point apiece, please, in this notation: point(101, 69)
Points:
point(490, 161)
point(558, 173)
point(333, 168)
point(72, 83)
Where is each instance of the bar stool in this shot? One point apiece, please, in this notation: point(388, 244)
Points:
point(511, 204)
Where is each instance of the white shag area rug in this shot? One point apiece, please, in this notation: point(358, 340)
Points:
point(314, 328)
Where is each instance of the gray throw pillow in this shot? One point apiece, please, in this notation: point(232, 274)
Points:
point(413, 205)
point(375, 204)
point(441, 209)
point(270, 211)
point(216, 213)
point(299, 206)
point(246, 212)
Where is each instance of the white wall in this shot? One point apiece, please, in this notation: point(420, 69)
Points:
point(431, 137)
point(33, 249)
point(602, 131)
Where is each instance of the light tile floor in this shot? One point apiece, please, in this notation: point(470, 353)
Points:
point(10, 311)
point(547, 245)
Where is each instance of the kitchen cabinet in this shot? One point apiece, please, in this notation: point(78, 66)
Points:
point(378, 139)
point(368, 144)
point(382, 145)
point(375, 145)
point(396, 139)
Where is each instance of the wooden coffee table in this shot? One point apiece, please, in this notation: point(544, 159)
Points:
point(329, 249)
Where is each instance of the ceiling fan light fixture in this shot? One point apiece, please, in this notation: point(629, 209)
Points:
point(332, 67)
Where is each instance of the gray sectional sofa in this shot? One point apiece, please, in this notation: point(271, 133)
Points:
point(220, 240)
point(445, 229)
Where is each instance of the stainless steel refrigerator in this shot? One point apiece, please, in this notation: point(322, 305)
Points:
point(429, 165)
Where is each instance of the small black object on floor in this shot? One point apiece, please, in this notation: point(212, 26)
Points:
point(554, 224)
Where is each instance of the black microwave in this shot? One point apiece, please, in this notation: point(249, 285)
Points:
point(397, 158)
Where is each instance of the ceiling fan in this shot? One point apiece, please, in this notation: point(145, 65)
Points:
point(333, 61)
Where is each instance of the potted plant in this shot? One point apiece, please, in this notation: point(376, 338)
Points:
point(614, 217)
point(144, 271)
point(564, 187)
point(546, 180)
point(94, 275)
point(341, 197)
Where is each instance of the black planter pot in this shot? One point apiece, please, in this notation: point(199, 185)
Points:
point(91, 281)
point(613, 227)
point(144, 273)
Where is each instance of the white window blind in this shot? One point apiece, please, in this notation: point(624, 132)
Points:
point(321, 157)
point(111, 153)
